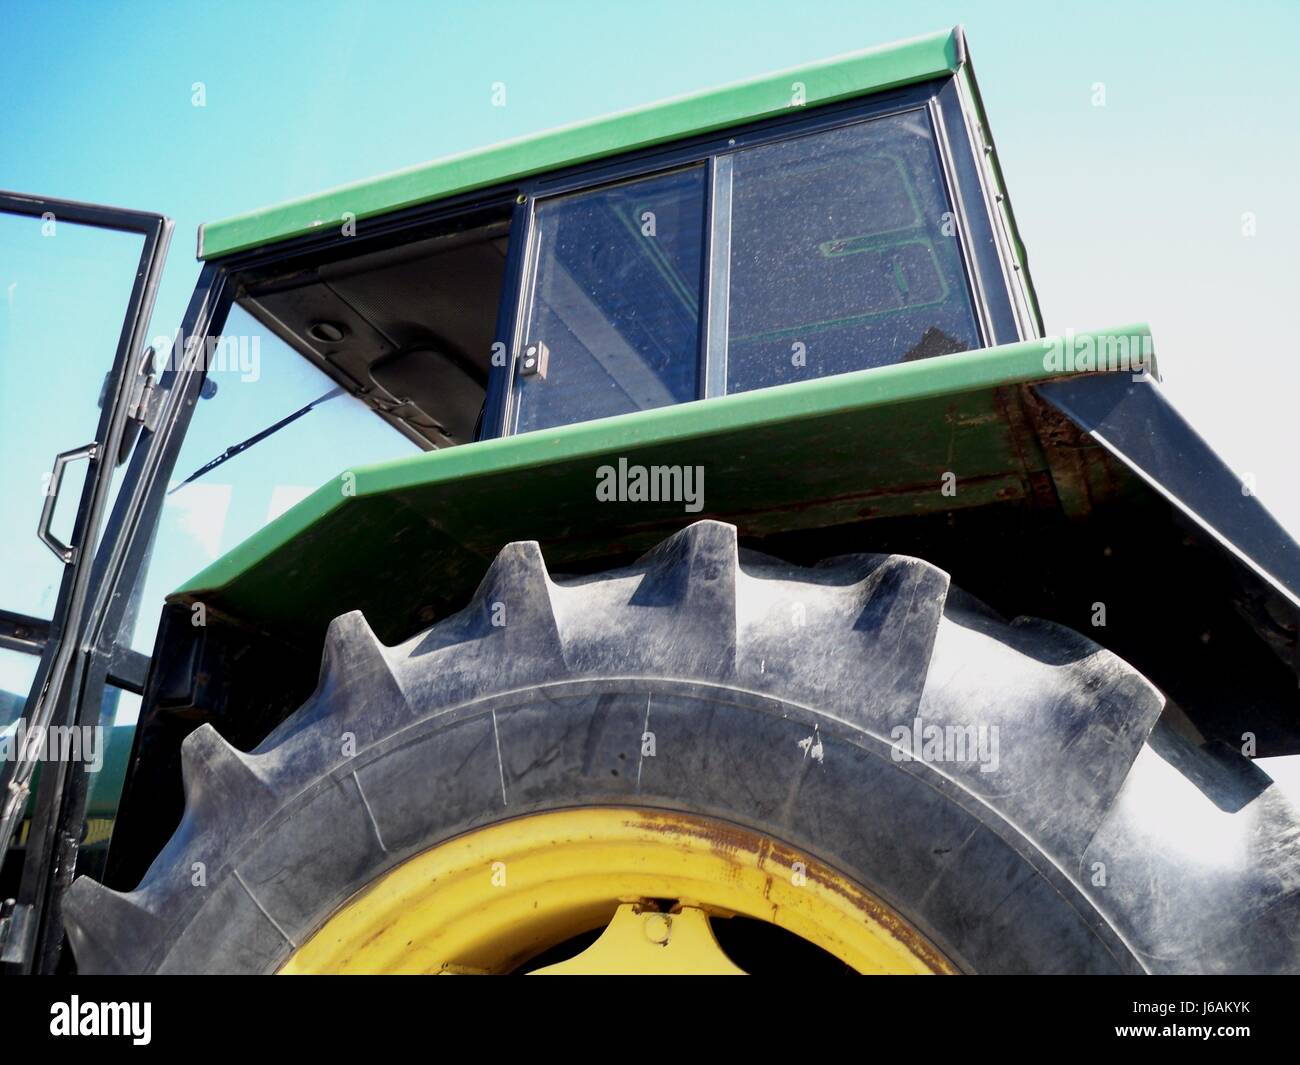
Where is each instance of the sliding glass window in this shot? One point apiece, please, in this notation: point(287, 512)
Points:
point(616, 274)
point(767, 263)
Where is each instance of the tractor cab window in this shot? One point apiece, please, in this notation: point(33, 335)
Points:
point(843, 255)
point(614, 316)
point(815, 253)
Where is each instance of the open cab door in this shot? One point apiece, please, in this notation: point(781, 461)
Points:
point(77, 288)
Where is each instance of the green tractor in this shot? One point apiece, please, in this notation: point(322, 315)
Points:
point(670, 543)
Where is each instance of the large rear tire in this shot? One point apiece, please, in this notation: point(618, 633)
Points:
point(1059, 821)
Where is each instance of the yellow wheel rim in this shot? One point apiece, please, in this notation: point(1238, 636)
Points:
point(490, 900)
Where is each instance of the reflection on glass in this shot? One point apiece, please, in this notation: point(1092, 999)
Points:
point(616, 300)
point(844, 255)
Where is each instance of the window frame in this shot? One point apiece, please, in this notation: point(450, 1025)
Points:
point(532, 258)
point(63, 643)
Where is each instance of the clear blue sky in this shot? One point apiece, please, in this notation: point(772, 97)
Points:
point(1130, 211)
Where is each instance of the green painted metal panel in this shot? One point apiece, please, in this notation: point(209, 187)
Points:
point(842, 78)
point(402, 539)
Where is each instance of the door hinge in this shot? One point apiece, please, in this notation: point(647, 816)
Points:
point(145, 399)
point(143, 404)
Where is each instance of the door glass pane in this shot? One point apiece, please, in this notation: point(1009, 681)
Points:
point(254, 379)
point(616, 300)
point(63, 289)
point(844, 255)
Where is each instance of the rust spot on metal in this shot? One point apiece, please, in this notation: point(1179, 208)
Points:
point(729, 840)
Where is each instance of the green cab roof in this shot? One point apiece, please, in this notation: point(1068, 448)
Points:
point(840, 78)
